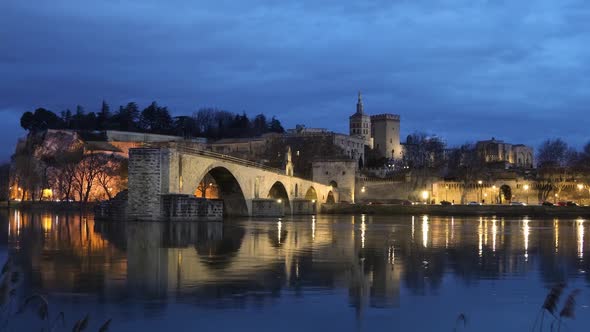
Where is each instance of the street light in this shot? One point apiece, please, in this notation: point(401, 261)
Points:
point(425, 196)
point(480, 182)
point(447, 193)
point(580, 187)
point(526, 191)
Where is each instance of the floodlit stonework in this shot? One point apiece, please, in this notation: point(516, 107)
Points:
point(154, 172)
point(380, 132)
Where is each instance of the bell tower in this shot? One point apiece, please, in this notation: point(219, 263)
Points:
point(360, 123)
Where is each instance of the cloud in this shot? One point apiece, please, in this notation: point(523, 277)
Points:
point(458, 67)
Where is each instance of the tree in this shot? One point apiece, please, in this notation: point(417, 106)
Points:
point(423, 151)
point(127, 117)
point(259, 124)
point(555, 167)
point(4, 181)
point(553, 153)
point(40, 120)
point(104, 115)
point(465, 165)
point(110, 168)
point(155, 119)
point(61, 173)
point(275, 126)
point(86, 172)
point(27, 120)
point(506, 192)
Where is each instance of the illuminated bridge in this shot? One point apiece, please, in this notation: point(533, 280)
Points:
point(165, 178)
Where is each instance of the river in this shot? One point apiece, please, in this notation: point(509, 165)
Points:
point(324, 273)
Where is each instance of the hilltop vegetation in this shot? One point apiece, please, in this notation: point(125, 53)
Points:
point(207, 122)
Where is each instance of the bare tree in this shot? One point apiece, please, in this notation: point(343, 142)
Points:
point(61, 173)
point(86, 171)
point(466, 166)
point(110, 173)
point(556, 163)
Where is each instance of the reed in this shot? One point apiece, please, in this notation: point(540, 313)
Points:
point(551, 304)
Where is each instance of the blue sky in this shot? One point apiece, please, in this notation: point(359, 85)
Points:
point(462, 69)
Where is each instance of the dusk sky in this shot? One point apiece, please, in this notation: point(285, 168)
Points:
point(462, 69)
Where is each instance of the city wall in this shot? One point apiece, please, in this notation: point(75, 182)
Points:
point(489, 192)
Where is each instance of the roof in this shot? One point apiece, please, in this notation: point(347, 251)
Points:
point(238, 140)
point(100, 146)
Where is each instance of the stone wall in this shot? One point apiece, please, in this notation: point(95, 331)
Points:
point(303, 207)
point(339, 172)
point(384, 191)
point(146, 167)
point(267, 208)
point(177, 207)
point(522, 191)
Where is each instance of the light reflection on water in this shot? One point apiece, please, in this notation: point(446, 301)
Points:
point(347, 272)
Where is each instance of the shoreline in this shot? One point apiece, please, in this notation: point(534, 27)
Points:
point(459, 210)
point(48, 205)
point(381, 209)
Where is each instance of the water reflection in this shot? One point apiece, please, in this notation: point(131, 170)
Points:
point(242, 262)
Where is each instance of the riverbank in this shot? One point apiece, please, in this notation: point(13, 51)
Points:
point(47, 206)
point(460, 210)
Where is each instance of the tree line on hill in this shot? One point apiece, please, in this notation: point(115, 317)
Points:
point(207, 122)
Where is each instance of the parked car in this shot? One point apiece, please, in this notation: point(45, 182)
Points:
point(474, 203)
point(445, 203)
point(547, 204)
point(518, 203)
point(570, 203)
point(401, 202)
point(561, 203)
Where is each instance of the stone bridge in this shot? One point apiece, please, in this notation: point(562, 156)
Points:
point(246, 188)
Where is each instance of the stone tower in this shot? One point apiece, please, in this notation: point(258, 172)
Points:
point(288, 162)
point(386, 136)
point(360, 123)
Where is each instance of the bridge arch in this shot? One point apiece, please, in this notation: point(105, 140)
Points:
point(227, 187)
point(330, 199)
point(279, 192)
point(311, 194)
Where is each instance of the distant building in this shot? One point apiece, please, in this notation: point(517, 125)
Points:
point(385, 132)
point(511, 155)
point(380, 132)
point(302, 130)
point(246, 148)
point(360, 124)
point(353, 147)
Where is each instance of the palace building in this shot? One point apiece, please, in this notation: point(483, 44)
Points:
point(380, 132)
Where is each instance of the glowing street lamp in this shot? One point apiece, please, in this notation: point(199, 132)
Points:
point(363, 189)
point(425, 196)
point(580, 187)
point(526, 190)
